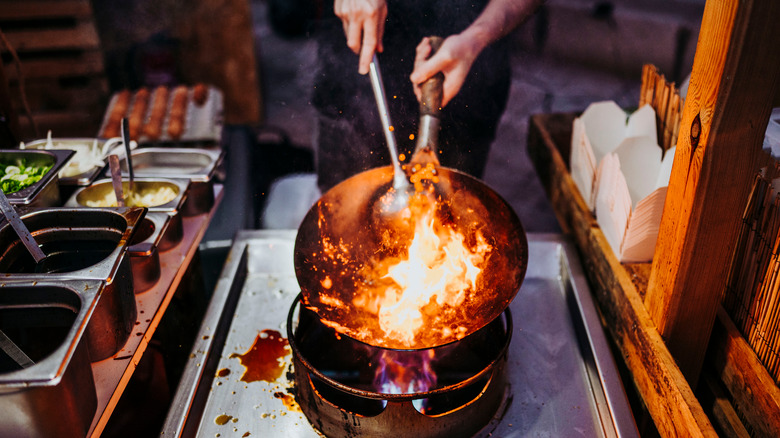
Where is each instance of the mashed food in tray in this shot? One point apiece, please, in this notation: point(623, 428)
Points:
point(140, 197)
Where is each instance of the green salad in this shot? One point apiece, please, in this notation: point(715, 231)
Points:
point(17, 175)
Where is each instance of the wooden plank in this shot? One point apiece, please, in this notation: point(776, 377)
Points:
point(88, 94)
point(7, 111)
point(723, 412)
point(81, 36)
point(662, 386)
point(718, 151)
point(225, 59)
point(44, 9)
point(753, 389)
point(72, 123)
point(82, 63)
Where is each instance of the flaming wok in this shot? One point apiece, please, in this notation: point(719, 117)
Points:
point(344, 261)
point(452, 263)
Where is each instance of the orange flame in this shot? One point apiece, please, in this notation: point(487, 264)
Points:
point(440, 271)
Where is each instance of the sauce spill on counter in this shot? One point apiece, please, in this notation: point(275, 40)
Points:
point(264, 361)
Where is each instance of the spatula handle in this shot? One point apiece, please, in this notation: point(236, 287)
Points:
point(433, 88)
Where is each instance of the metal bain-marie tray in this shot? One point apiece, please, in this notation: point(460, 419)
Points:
point(45, 192)
point(563, 380)
point(199, 165)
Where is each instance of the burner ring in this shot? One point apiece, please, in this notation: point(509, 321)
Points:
point(360, 411)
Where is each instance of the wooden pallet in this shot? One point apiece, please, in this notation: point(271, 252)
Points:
point(61, 65)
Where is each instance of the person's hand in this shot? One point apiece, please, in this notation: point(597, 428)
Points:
point(364, 26)
point(454, 59)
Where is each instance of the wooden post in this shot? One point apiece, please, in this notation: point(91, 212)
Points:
point(735, 74)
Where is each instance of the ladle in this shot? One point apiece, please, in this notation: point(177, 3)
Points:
point(126, 141)
point(116, 179)
point(398, 197)
point(14, 352)
point(389, 205)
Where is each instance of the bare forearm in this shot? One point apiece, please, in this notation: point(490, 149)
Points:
point(498, 19)
point(459, 51)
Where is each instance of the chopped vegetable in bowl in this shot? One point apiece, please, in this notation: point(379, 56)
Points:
point(17, 175)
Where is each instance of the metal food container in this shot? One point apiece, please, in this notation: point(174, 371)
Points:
point(103, 189)
point(52, 392)
point(66, 175)
point(45, 192)
point(81, 244)
point(145, 247)
point(197, 165)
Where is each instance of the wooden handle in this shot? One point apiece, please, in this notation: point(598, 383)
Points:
point(433, 88)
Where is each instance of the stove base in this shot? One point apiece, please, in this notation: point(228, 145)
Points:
point(401, 418)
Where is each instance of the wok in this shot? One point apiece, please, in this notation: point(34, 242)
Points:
point(343, 245)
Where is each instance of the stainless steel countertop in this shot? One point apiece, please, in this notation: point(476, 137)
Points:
point(563, 380)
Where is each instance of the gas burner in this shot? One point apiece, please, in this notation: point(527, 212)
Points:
point(347, 388)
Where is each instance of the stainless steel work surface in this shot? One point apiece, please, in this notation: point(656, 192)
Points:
point(563, 380)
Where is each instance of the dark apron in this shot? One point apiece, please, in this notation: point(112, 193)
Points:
point(350, 137)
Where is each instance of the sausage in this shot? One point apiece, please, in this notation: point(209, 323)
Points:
point(122, 102)
point(138, 112)
point(153, 128)
point(178, 112)
point(200, 93)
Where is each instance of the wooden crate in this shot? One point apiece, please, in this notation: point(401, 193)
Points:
point(675, 407)
point(61, 66)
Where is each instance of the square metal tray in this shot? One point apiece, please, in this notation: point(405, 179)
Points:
point(563, 380)
point(45, 192)
point(195, 164)
point(202, 123)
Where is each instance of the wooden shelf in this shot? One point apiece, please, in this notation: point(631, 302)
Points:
point(61, 64)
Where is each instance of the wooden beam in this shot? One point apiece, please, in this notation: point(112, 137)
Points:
point(750, 385)
point(10, 120)
point(44, 9)
point(81, 63)
point(82, 35)
point(718, 151)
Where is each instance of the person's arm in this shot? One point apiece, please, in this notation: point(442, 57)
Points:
point(458, 52)
point(364, 26)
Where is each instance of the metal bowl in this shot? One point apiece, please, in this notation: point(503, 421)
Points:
point(101, 191)
point(45, 192)
point(46, 322)
point(86, 244)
